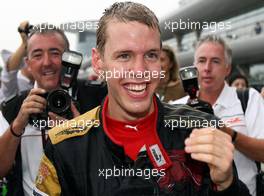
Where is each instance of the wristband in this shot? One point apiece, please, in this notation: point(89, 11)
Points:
point(234, 136)
point(13, 133)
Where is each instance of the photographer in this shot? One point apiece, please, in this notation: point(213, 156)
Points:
point(21, 143)
point(213, 59)
point(16, 76)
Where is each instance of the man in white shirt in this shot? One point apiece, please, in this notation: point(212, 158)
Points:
point(213, 61)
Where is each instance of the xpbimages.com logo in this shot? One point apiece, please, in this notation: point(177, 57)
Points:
point(79, 26)
point(196, 25)
point(130, 172)
point(49, 123)
point(147, 75)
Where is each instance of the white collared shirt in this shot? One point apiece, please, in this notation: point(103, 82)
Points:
point(228, 108)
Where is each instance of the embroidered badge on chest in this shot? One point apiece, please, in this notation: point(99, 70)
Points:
point(157, 155)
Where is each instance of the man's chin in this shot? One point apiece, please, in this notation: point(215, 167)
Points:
point(50, 87)
point(207, 85)
point(139, 110)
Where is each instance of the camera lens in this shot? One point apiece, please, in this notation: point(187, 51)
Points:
point(59, 102)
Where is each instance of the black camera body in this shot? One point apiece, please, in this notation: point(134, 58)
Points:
point(189, 78)
point(27, 29)
point(59, 100)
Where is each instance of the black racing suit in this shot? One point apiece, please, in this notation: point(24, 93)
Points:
point(88, 96)
point(77, 160)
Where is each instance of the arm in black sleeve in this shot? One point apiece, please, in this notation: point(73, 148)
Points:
point(237, 188)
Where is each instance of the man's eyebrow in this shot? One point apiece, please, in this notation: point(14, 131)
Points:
point(37, 50)
point(50, 49)
point(121, 52)
point(213, 58)
point(55, 50)
point(130, 51)
point(154, 50)
point(216, 58)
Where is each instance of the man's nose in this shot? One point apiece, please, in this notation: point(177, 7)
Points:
point(139, 64)
point(162, 66)
point(46, 59)
point(208, 66)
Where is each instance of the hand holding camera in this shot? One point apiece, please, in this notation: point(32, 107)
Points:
point(208, 145)
point(33, 104)
point(24, 29)
point(59, 102)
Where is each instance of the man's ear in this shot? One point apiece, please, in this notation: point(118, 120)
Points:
point(97, 62)
point(229, 69)
point(27, 63)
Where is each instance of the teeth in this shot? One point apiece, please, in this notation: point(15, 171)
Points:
point(48, 72)
point(136, 87)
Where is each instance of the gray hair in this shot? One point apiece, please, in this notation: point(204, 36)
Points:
point(218, 40)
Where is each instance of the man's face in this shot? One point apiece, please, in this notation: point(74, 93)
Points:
point(134, 47)
point(44, 59)
point(211, 65)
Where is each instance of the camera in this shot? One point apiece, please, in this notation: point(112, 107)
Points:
point(59, 100)
point(189, 78)
point(26, 30)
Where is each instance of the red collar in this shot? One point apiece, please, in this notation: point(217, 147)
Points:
point(132, 136)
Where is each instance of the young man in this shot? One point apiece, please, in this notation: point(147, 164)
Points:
point(128, 132)
point(213, 61)
point(21, 142)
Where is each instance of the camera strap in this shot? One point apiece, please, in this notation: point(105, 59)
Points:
point(243, 96)
point(44, 138)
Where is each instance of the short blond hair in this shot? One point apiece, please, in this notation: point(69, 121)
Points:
point(124, 12)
